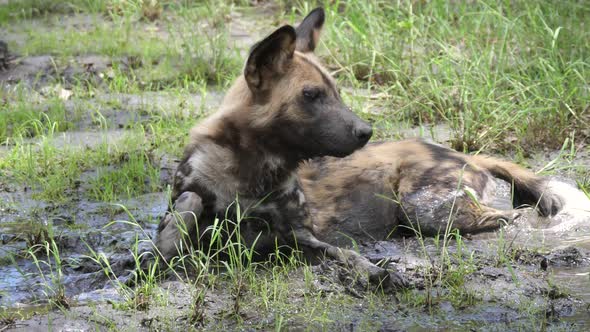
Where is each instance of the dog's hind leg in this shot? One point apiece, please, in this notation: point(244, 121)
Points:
point(179, 227)
point(470, 217)
point(529, 189)
point(360, 264)
point(441, 213)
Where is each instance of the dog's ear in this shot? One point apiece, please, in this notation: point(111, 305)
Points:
point(308, 32)
point(270, 59)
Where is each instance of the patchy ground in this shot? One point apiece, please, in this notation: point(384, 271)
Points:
point(470, 291)
point(95, 104)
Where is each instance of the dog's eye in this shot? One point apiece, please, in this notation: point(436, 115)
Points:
point(311, 93)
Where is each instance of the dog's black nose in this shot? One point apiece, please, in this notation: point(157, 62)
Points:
point(363, 132)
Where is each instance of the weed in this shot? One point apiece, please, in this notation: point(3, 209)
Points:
point(29, 119)
point(37, 233)
point(134, 176)
point(50, 270)
point(584, 185)
point(197, 314)
point(148, 9)
point(186, 55)
point(14, 10)
point(8, 319)
point(42, 166)
point(140, 288)
point(209, 56)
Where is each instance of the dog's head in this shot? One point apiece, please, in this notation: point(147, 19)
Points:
point(295, 100)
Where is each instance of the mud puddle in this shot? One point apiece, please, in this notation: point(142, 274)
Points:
point(83, 232)
point(492, 296)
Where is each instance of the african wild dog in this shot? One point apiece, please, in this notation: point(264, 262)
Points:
point(285, 110)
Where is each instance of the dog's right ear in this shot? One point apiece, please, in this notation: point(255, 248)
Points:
point(270, 59)
point(308, 32)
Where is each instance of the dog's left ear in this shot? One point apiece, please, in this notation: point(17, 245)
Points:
point(308, 32)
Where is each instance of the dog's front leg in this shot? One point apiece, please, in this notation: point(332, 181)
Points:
point(360, 264)
point(179, 225)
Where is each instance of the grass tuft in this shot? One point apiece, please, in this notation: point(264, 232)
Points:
point(135, 175)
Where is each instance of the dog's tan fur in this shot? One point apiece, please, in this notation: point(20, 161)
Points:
point(286, 110)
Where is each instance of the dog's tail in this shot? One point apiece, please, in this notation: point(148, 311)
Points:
point(527, 187)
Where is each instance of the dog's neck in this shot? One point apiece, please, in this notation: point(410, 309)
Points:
point(262, 166)
point(262, 162)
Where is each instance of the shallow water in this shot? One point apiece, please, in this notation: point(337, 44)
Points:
point(83, 278)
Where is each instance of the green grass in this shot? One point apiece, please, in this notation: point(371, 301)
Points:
point(146, 56)
point(54, 173)
point(50, 270)
point(584, 185)
point(491, 70)
point(29, 129)
point(495, 72)
point(134, 176)
point(43, 167)
point(21, 117)
point(14, 10)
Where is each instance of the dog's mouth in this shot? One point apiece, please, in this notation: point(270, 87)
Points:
point(338, 150)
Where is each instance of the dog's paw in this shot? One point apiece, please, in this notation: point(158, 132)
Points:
point(386, 279)
point(377, 275)
point(189, 202)
point(549, 204)
point(397, 281)
point(176, 225)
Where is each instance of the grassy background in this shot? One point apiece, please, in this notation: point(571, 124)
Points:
point(497, 72)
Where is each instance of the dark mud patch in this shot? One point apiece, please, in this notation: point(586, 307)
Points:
point(43, 70)
point(33, 69)
point(471, 286)
point(91, 71)
point(87, 234)
point(83, 232)
point(515, 295)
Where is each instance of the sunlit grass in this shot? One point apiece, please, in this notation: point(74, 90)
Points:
point(497, 72)
point(20, 116)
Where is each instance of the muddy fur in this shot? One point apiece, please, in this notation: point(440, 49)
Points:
point(417, 185)
point(285, 110)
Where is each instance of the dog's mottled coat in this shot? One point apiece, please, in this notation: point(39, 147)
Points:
point(283, 145)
